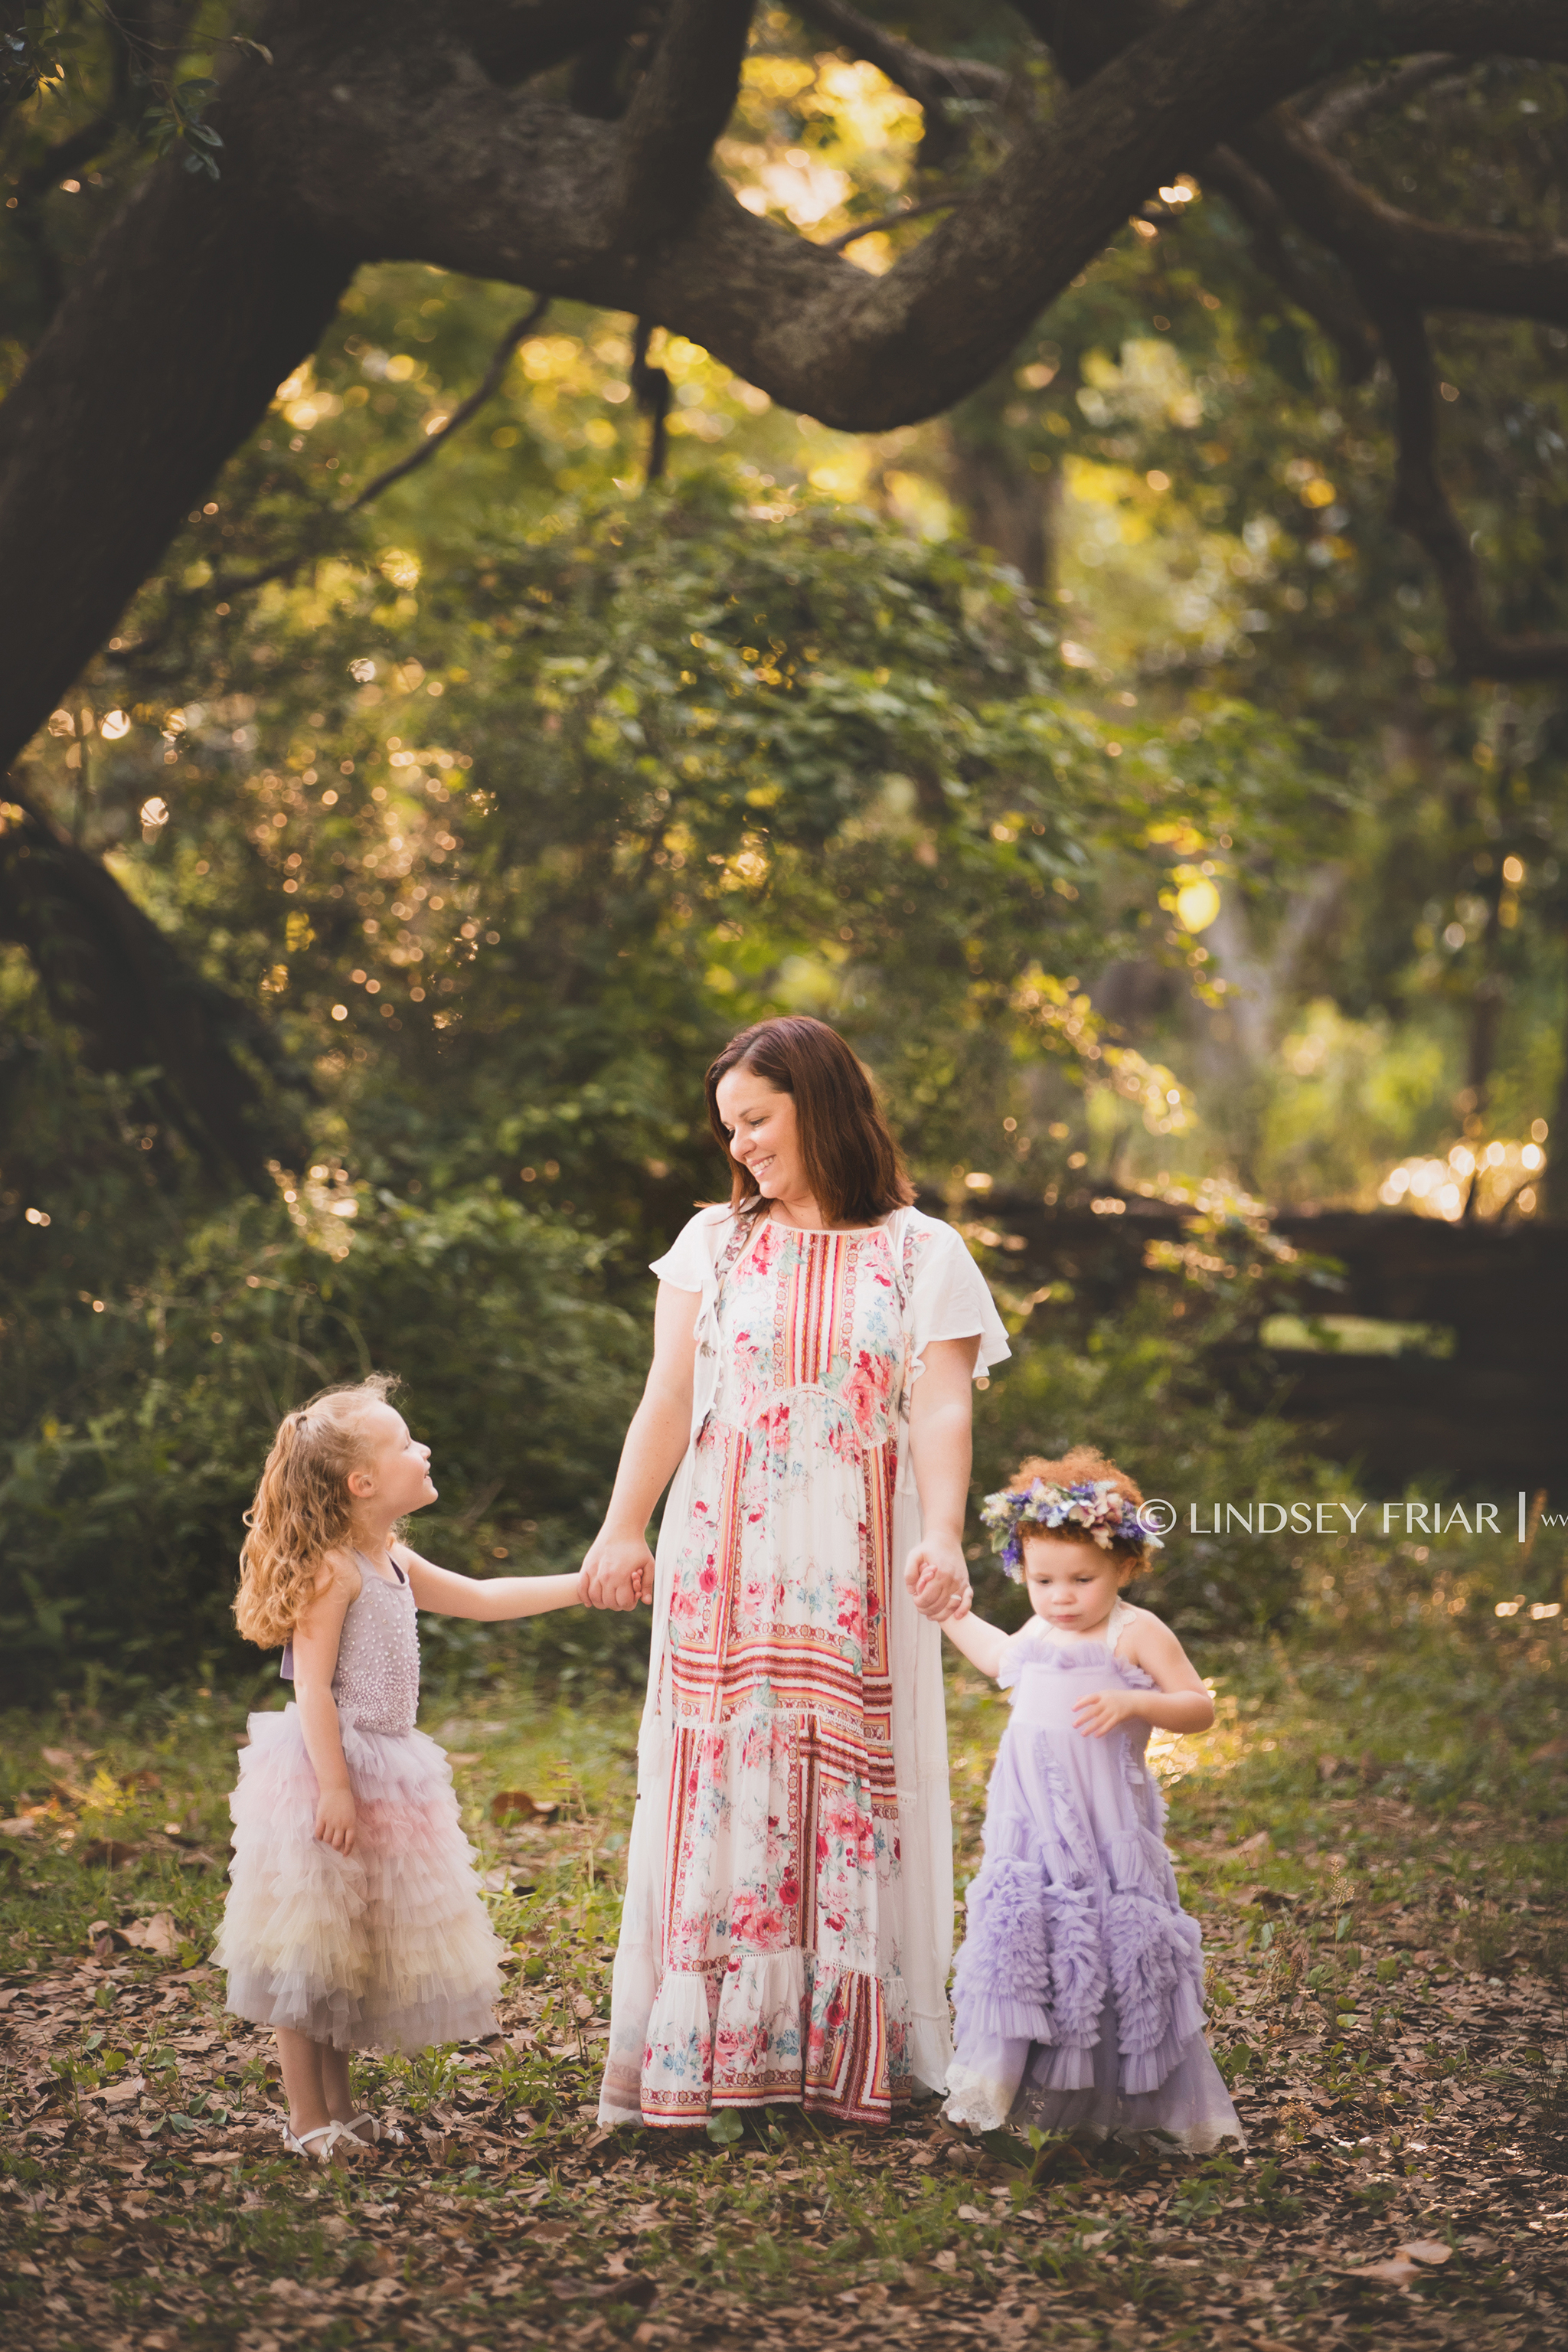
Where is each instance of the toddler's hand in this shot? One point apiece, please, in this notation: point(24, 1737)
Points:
point(336, 1820)
point(1101, 1711)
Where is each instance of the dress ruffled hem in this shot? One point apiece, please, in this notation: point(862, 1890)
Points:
point(764, 2028)
point(389, 1947)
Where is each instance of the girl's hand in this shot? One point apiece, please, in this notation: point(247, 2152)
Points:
point(617, 1573)
point(1101, 1711)
point(336, 1819)
point(937, 1574)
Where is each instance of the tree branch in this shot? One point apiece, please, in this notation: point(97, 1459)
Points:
point(1426, 263)
point(928, 77)
point(111, 976)
point(679, 109)
point(1339, 109)
point(1332, 304)
point(518, 332)
point(1421, 505)
point(850, 237)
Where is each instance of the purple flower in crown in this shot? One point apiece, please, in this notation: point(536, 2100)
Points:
point(1095, 1505)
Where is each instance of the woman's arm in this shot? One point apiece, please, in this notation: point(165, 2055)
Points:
point(617, 1571)
point(983, 1645)
point(488, 1597)
point(1178, 1702)
point(942, 1413)
point(316, 1638)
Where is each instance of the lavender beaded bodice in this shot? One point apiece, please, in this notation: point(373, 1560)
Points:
point(376, 1684)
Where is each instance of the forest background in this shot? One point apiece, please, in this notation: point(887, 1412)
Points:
point(1092, 755)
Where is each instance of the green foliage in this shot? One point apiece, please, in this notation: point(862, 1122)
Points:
point(121, 1502)
point(1148, 1397)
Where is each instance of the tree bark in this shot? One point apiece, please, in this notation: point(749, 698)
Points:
point(379, 133)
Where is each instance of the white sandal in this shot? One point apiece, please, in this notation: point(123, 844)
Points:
point(369, 2129)
point(330, 2135)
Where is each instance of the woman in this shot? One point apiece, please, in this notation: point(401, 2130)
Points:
point(788, 1918)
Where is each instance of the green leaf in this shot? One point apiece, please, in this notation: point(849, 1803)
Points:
point(725, 2128)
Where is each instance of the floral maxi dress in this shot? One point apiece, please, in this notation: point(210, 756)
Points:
point(787, 1925)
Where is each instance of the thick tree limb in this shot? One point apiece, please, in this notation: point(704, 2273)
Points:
point(111, 976)
point(376, 133)
point(1341, 109)
point(1427, 263)
point(677, 110)
point(1421, 505)
point(928, 77)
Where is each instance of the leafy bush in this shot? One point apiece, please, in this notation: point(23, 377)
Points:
point(1145, 1394)
point(120, 1501)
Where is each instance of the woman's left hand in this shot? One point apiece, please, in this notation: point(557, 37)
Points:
point(1101, 1711)
point(937, 1574)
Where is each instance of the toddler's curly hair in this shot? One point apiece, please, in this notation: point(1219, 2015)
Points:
point(1083, 1462)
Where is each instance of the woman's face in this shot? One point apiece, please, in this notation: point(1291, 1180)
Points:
point(764, 1136)
point(1072, 1585)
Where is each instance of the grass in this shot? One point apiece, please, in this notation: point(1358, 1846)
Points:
point(1370, 1836)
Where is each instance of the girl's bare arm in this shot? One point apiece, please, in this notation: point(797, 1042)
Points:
point(983, 1645)
point(1178, 1702)
point(487, 1597)
point(316, 1638)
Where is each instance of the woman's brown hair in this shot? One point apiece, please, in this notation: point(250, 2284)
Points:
point(852, 1163)
point(302, 1509)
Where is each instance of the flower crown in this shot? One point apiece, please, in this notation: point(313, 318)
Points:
point(1095, 1505)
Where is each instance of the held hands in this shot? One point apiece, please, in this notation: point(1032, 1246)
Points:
point(336, 1820)
point(617, 1573)
point(1101, 1711)
point(936, 1575)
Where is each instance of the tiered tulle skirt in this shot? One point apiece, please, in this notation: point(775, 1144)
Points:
point(1078, 1990)
point(389, 1947)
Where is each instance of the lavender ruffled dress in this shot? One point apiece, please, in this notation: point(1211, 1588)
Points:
point(1079, 1989)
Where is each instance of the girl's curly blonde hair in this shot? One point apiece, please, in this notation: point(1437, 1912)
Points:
point(302, 1506)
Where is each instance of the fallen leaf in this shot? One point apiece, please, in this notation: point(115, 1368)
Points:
point(1258, 1843)
point(23, 1825)
point(509, 1801)
point(157, 1933)
point(62, 1758)
point(1393, 2272)
point(469, 1756)
point(945, 2259)
point(115, 2095)
point(107, 1854)
point(1425, 2249)
point(1553, 1752)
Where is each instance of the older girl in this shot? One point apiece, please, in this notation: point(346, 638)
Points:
point(788, 1915)
point(354, 1920)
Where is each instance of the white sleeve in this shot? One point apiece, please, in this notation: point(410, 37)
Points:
point(688, 1261)
point(951, 1300)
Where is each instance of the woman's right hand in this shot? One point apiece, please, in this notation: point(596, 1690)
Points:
point(336, 1819)
point(617, 1573)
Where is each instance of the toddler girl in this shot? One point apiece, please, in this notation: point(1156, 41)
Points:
point(354, 1918)
point(1078, 1990)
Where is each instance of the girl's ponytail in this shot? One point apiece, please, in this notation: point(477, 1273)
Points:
point(302, 1507)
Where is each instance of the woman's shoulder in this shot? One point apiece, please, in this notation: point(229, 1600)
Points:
point(691, 1255)
point(934, 1237)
